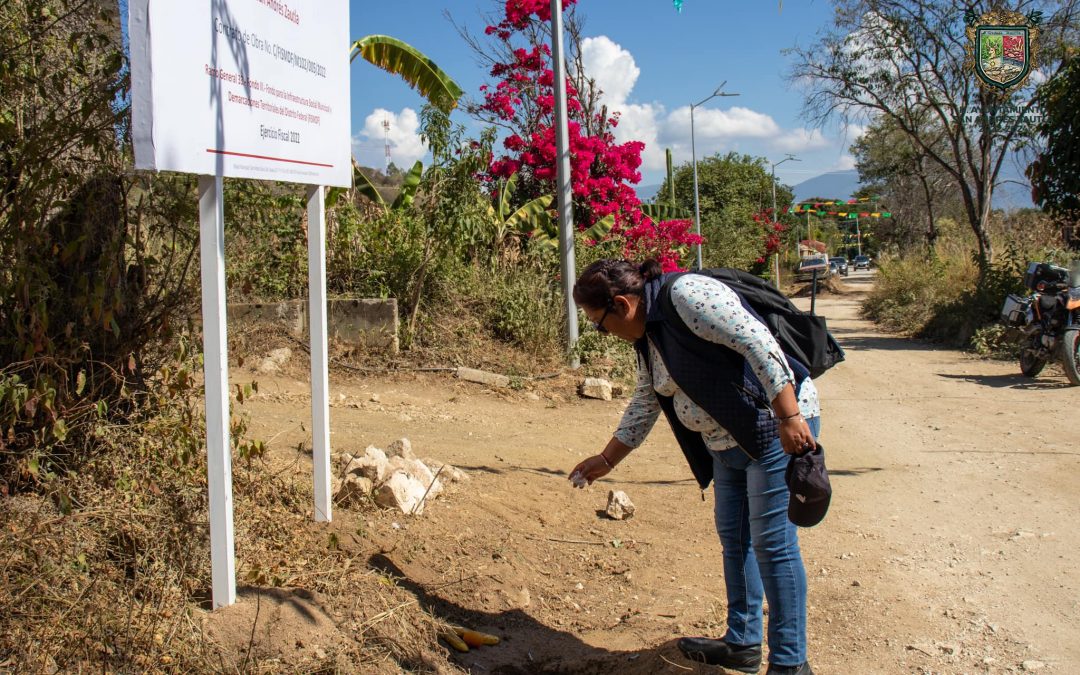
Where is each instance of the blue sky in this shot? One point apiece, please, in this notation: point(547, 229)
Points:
point(652, 63)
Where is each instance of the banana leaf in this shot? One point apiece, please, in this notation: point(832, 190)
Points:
point(504, 196)
point(399, 58)
point(530, 213)
point(408, 188)
point(661, 212)
point(364, 186)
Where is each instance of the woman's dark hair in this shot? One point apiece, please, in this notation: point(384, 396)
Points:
point(604, 279)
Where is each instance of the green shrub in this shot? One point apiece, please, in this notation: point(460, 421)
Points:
point(266, 239)
point(944, 299)
point(605, 356)
point(527, 311)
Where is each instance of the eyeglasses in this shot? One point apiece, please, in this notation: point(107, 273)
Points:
point(599, 325)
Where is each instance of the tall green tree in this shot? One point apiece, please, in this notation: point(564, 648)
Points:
point(732, 190)
point(904, 60)
point(1055, 173)
point(898, 172)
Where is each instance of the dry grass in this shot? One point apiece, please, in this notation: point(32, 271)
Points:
point(120, 582)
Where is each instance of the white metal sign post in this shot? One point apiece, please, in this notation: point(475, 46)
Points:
point(216, 383)
point(320, 384)
point(246, 89)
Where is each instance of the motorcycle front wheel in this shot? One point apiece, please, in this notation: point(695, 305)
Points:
point(1030, 363)
point(1070, 346)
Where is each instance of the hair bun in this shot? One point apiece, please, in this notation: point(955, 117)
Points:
point(650, 269)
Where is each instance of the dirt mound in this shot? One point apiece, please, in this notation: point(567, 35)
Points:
point(292, 624)
point(830, 285)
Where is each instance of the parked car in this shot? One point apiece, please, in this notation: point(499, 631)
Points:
point(839, 265)
point(807, 267)
point(861, 262)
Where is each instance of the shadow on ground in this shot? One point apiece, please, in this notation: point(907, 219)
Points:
point(1017, 381)
point(528, 646)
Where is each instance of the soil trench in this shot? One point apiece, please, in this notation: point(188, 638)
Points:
point(949, 547)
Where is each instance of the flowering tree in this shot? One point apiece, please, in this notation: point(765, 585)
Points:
point(771, 229)
point(522, 103)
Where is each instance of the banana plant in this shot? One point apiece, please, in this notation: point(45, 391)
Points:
point(524, 219)
point(661, 212)
point(419, 71)
point(363, 185)
point(546, 236)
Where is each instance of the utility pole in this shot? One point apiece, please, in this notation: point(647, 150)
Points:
point(562, 181)
point(693, 155)
point(776, 256)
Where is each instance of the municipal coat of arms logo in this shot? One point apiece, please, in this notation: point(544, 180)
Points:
point(1002, 48)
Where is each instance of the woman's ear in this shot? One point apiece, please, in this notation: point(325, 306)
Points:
point(623, 304)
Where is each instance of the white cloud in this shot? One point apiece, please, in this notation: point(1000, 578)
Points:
point(801, 140)
point(713, 123)
point(1038, 77)
point(615, 73)
point(845, 163)
point(716, 128)
point(642, 123)
point(403, 136)
point(611, 67)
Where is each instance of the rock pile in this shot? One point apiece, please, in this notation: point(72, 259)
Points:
point(393, 477)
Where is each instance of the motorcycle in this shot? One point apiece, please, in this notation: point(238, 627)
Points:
point(1048, 319)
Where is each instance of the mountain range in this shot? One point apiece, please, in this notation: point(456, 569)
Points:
point(1012, 192)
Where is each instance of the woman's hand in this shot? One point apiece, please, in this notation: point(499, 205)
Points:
point(590, 469)
point(795, 436)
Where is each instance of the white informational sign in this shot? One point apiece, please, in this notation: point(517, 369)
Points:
point(242, 88)
point(245, 89)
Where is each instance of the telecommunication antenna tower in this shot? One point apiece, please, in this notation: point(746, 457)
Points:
point(386, 142)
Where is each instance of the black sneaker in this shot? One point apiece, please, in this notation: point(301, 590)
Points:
point(804, 669)
point(743, 658)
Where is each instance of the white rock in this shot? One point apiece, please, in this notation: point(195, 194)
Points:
point(619, 506)
point(373, 465)
point(402, 492)
point(418, 470)
point(375, 453)
point(449, 473)
point(354, 489)
point(1032, 665)
point(594, 387)
point(400, 448)
point(275, 360)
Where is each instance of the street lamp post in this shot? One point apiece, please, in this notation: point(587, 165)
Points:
point(776, 256)
point(693, 155)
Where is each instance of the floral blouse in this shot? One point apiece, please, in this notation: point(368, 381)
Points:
point(713, 312)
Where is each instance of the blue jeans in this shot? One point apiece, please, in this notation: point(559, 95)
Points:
point(761, 551)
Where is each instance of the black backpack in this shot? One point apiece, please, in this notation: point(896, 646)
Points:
point(801, 335)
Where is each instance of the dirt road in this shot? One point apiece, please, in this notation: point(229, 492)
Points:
point(950, 546)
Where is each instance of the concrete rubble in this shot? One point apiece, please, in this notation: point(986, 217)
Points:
point(483, 377)
point(393, 478)
point(595, 387)
point(271, 365)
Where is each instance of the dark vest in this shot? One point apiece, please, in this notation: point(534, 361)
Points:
point(718, 379)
